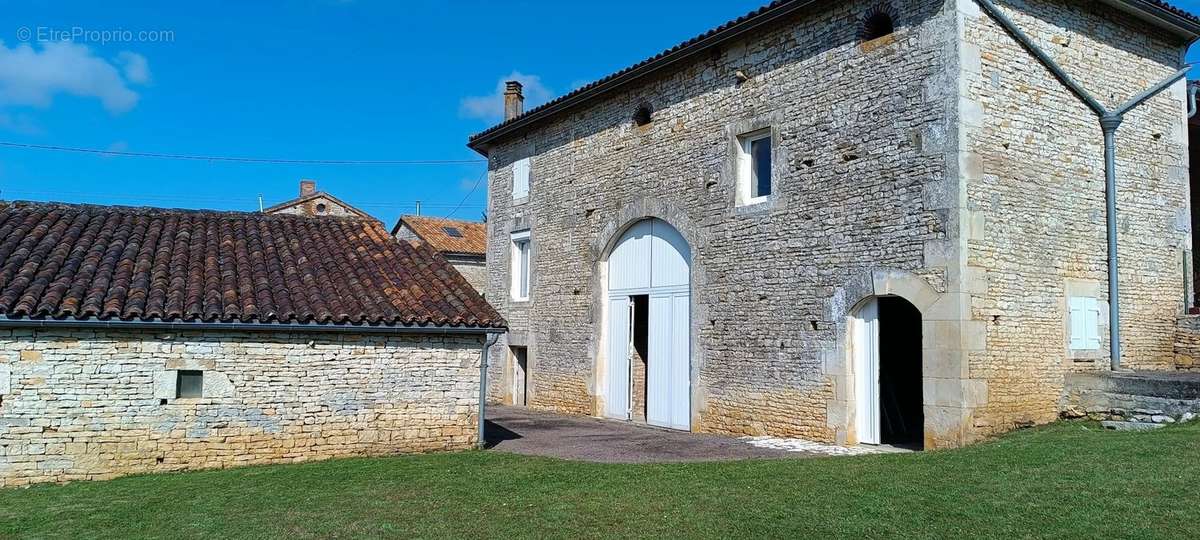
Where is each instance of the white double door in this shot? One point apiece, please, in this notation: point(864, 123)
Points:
point(668, 362)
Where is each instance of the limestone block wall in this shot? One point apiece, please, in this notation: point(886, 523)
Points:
point(97, 404)
point(1187, 343)
point(1035, 189)
point(861, 133)
point(473, 270)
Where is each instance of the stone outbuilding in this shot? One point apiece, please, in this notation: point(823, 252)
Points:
point(141, 339)
point(869, 221)
point(463, 243)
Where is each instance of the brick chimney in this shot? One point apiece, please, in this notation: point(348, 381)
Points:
point(514, 101)
point(307, 187)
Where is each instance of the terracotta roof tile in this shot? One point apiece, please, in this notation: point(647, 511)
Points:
point(149, 264)
point(439, 233)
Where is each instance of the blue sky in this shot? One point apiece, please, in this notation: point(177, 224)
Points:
point(307, 79)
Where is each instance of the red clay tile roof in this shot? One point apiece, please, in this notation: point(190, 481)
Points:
point(729, 30)
point(83, 262)
point(434, 231)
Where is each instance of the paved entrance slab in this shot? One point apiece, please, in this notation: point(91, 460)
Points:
point(524, 431)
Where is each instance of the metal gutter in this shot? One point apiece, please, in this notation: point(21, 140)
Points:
point(1160, 16)
point(1110, 122)
point(483, 367)
point(6, 322)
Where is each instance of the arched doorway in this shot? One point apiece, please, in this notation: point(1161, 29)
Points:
point(887, 346)
point(648, 371)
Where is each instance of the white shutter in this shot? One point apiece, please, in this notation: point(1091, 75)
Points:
point(520, 186)
point(1076, 320)
point(1091, 323)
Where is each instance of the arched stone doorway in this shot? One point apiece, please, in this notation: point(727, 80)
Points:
point(647, 372)
point(887, 369)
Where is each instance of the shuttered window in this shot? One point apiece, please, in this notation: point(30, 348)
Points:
point(520, 187)
point(1084, 321)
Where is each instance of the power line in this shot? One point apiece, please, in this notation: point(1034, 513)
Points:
point(234, 159)
point(201, 198)
point(469, 193)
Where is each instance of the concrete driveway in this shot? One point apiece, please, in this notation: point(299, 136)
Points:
point(523, 431)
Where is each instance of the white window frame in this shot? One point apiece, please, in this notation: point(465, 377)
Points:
point(1083, 323)
point(745, 167)
point(520, 184)
point(520, 266)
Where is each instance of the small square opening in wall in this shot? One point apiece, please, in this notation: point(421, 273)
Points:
point(755, 182)
point(189, 384)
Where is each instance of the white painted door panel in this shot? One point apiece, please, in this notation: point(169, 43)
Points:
point(669, 257)
point(668, 395)
point(617, 404)
point(629, 265)
point(866, 372)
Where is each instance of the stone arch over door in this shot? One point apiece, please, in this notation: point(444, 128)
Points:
point(601, 248)
point(948, 334)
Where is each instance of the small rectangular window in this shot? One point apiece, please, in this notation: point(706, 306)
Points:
point(1084, 322)
point(520, 265)
point(755, 182)
point(189, 384)
point(452, 232)
point(520, 186)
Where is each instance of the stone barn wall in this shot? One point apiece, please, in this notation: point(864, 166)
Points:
point(97, 404)
point(1035, 186)
point(861, 131)
point(1187, 343)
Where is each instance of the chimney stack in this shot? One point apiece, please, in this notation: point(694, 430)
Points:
point(307, 187)
point(514, 101)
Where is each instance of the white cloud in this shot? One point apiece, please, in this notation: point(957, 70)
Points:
point(32, 78)
point(135, 67)
point(491, 107)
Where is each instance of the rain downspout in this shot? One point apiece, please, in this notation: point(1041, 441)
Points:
point(1110, 121)
point(483, 366)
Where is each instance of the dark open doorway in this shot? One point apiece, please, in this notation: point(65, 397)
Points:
point(639, 357)
point(901, 406)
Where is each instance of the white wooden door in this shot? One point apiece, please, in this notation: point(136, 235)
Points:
point(651, 258)
point(619, 319)
point(519, 376)
point(866, 372)
point(668, 382)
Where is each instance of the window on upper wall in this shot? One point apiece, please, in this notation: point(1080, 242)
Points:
point(520, 185)
point(520, 265)
point(755, 183)
point(1084, 321)
point(189, 384)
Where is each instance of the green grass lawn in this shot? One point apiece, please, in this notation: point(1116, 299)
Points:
point(1067, 480)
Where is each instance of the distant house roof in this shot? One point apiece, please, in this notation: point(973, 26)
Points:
point(304, 204)
point(448, 235)
point(86, 263)
point(1157, 12)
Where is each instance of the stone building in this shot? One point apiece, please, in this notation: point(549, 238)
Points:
point(138, 340)
point(313, 203)
point(463, 243)
point(854, 221)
